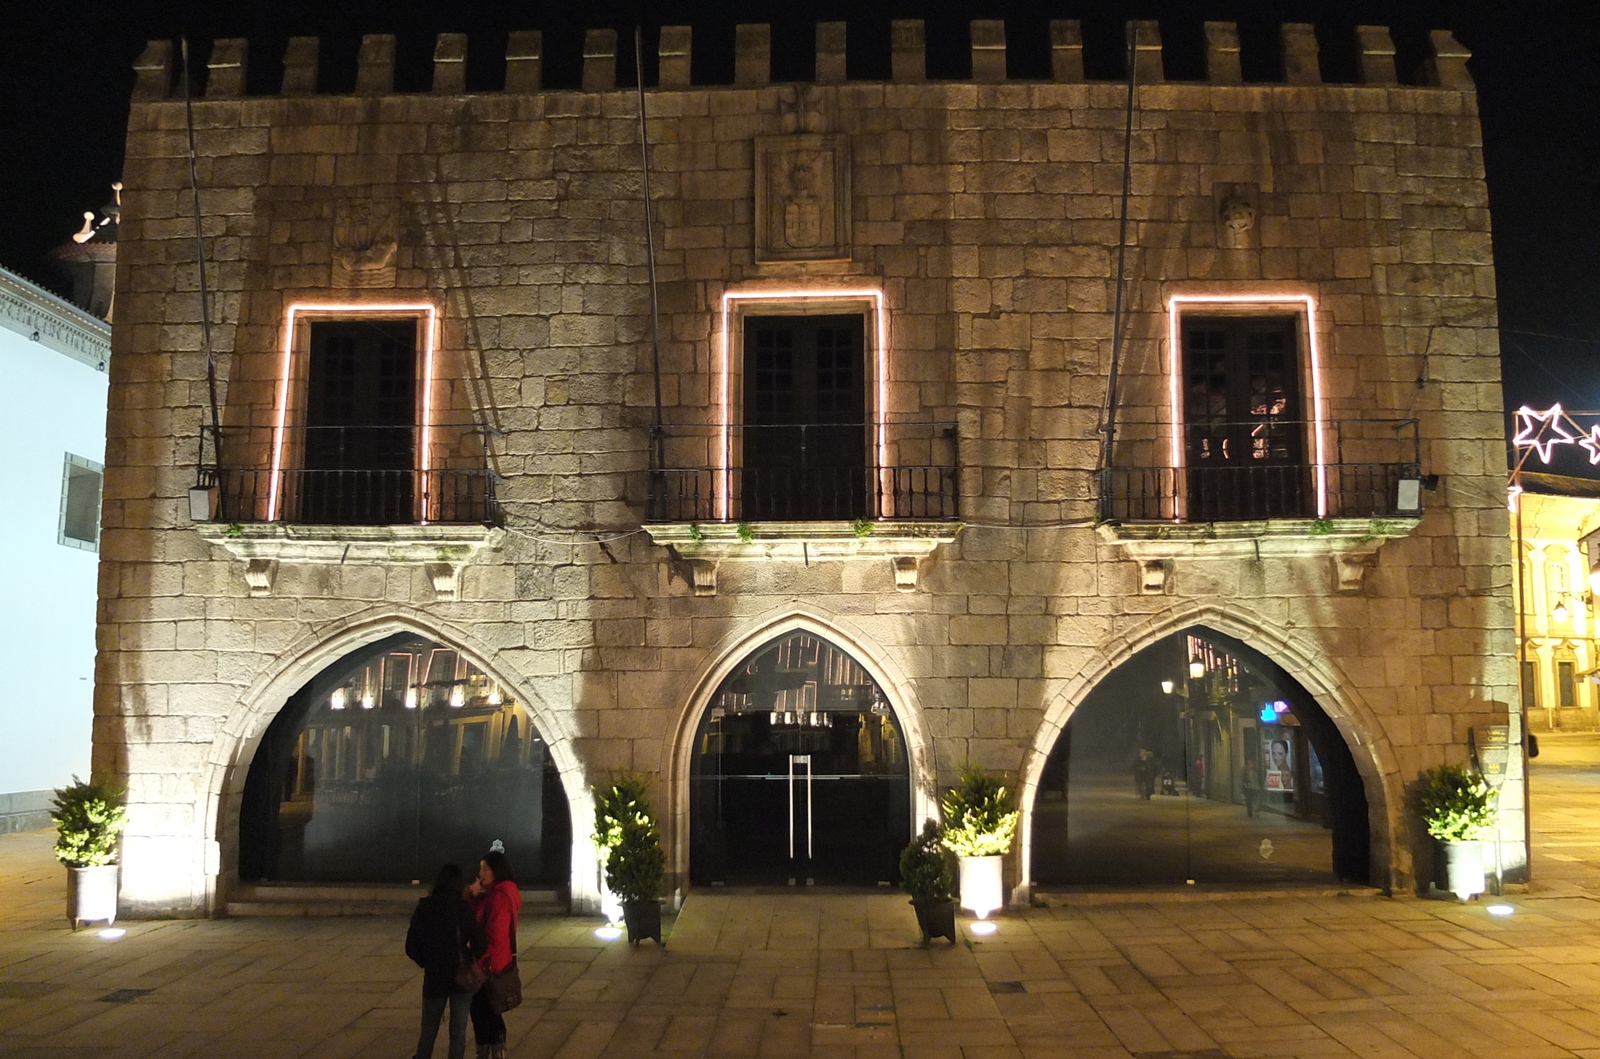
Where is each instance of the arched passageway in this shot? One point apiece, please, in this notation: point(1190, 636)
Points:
point(398, 757)
point(799, 773)
point(1199, 759)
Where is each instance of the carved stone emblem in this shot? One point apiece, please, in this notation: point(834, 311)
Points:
point(1236, 215)
point(365, 240)
point(802, 198)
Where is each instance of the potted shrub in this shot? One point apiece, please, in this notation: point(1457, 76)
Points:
point(1457, 808)
point(622, 801)
point(89, 819)
point(634, 874)
point(925, 875)
point(979, 824)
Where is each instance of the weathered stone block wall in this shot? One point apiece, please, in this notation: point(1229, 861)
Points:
point(987, 214)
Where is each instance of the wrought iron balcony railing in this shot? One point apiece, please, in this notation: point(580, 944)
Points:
point(1369, 458)
point(805, 472)
point(355, 476)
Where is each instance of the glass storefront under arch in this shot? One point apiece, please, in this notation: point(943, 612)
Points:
point(399, 757)
point(1199, 760)
point(800, 774)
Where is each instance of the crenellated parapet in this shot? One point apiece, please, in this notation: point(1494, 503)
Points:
point(1299, 57)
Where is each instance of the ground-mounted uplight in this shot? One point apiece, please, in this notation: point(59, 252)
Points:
point(111, 933)
point(983, 928)
point(1500, 910)
point(609, 932)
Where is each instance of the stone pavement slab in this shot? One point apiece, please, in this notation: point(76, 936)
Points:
point(836, 975)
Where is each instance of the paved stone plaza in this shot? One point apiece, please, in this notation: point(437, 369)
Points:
point(840, 975)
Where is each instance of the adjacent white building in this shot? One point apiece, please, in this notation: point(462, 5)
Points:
point(53, 433)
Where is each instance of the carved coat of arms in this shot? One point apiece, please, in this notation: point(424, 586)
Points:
point(365, 241)
point(802, 198)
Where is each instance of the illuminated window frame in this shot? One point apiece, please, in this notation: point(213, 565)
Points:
point(1302, 303)
point(777, 300)
point(309, 312)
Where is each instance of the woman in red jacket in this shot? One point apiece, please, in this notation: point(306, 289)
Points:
point(497, 901)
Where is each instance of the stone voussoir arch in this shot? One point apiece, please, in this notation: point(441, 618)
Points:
point(234, 746)
point(736, 646)
point(1319, 675)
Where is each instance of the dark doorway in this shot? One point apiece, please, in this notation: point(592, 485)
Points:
point(1243, 434)
point(800, 774)
point(805, 436)
point(1199, 759)
point(360, 446)
point(397, 758)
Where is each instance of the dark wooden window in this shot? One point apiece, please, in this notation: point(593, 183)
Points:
point(1244, 433)
point(804, 438)
point(360, 446)
point(1530, 686)
point(1566, 689)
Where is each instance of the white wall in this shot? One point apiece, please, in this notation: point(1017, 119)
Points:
point(50, 404)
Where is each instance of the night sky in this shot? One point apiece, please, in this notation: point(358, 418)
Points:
point(65, 80)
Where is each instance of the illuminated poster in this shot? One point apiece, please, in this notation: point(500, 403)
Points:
point(1277, 761)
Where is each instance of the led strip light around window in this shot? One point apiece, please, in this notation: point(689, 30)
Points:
point(1176, 379)
point(423, 309)
point(725, 501)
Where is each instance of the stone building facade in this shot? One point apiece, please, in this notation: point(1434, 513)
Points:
point(1303, 480)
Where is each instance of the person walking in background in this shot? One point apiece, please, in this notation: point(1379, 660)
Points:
point(497, 901)
point(1251, 783)
point(444, 939)
point(1144, 774)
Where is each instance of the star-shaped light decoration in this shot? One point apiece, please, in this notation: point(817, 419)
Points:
point(1591, 444)
point(1542, 431)
point(1513, 492)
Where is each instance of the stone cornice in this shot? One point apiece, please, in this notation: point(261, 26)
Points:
point(42, 317)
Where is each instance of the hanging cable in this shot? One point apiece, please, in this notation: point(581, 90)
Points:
point(1109, 427)
point(200, 261)
point(650, 250)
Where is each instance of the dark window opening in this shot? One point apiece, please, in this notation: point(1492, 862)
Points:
point(360, 447)
point(1566, 687)
point(1244, 438)
point(805, 419)
point(80, 504)
point(1530, 686)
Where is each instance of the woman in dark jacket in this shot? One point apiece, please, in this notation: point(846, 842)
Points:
point(444, 935)
point(497, 901)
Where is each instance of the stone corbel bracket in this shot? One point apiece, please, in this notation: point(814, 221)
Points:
point(442, 551)
point(1350, 544)
point(704, 546)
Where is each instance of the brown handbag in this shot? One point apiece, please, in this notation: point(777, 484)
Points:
point(505, 986)
point(469, 976)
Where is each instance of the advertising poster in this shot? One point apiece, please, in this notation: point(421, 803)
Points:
point(1277, 761)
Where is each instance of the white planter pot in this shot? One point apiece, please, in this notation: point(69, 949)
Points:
point(981, 889)
point(1459, 868)
point(92, 895)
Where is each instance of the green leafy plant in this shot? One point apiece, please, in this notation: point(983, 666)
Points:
point(696, 534)
point(234, 531)
point(979, 818)
point(638, 863)
point(89, 819)
point(925, 867)
point(1457, 806)
point(1321, 527)
point(746, 532)
point(629, 842)
point(862, 528)
point(615, 804)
